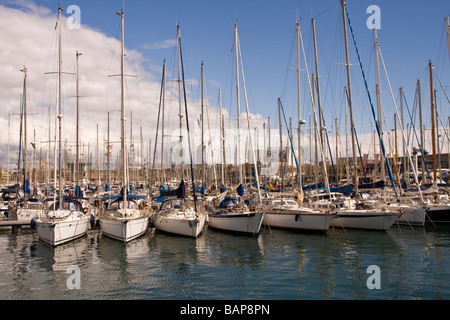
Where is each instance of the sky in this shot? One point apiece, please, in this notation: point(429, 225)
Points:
point(411, 34)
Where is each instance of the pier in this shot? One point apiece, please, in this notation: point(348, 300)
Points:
point(15, 224)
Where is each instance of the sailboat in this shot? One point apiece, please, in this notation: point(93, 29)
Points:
point(359, 215)
point(232, 214)
point(178, 214)
point(123, 218)
point(286, 211)
point(438, 211)
point(65, 219)
point(28, 208)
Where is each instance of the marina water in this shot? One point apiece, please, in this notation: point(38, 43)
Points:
point(413, 264)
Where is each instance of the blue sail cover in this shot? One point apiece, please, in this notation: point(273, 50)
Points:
point(240, 190)
point(180, 192)
point(27, 186)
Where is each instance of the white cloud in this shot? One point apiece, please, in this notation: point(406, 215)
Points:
point(29, 38)
point(164, 44)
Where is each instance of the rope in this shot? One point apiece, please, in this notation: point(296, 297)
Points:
point(371, 105)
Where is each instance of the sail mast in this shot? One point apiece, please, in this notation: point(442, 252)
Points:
point(180, 114)
point(350, 106)
point(123, 119)
point(24, 104)
point(316, 60)
point(433, 138)
point(58, 112)
point(203, 128)
point(237, 104)
point(380, 122)
point(77, 164)
point(299, 168)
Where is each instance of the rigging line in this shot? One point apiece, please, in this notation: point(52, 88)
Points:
point(371, 104)
point(311, 94)
point(334, 5)
point(289, 135)
point(401, 126)
point(157, 127)
point(443, 88)
point(187, 127)
point(415, 133)
point(357, 143)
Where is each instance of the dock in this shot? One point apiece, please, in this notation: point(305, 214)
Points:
point(15, 224)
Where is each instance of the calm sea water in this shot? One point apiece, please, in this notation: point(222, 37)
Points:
point(275, 265)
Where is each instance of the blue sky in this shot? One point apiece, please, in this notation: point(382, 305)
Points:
point(411, 34)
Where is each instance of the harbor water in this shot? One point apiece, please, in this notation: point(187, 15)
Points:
point(399, 264)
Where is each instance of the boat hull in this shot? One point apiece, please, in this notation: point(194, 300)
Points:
point(413, 217)
point(25, 214)
point(180, 225)
point(59, 232)
point(299, 220)
point(365, 219)
point(124, 229)
point(249, 223)
point(439, 213)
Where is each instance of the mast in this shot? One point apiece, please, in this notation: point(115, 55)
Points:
point(108, 157)
point(123, 119)
point(380, 121)
point(311, 92)
point(347, 169)
point(237, 103)
point(281, 144)
point(299, 170)
point(350, 106)
point(433, 137)
point(24, 104)
point(180, 114)
point(77, 157)
point(317, 80)
point(222, 137)
point(58, 111)
point(249, 126)
point(437, 134)
point(422, 142)
point(397, 180)
point(203, 128)
point(269, 152)
point(163, 90)
point(98, 161)
point(9, 134)
point(337, 148)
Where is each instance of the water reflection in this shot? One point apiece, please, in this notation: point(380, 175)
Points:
point(276, 264)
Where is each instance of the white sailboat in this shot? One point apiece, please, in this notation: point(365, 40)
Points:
point(232, 214)
point(285, 211)
point(65, 219)
point(178, 214)
point(123, 220)
point(358, 215)
point(27, 209)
